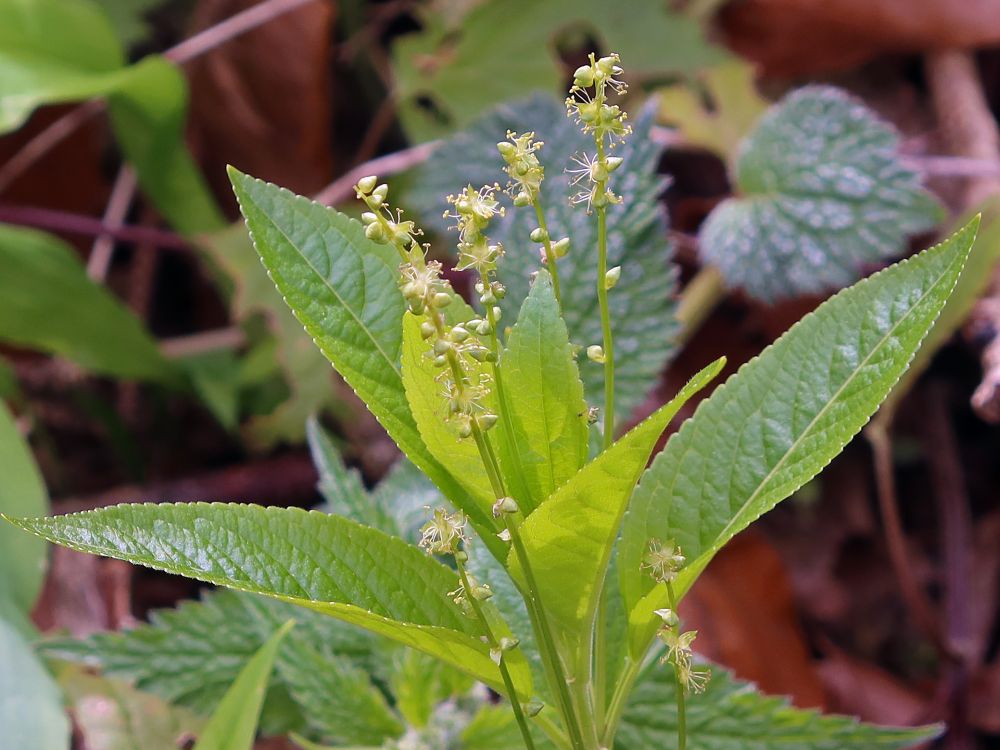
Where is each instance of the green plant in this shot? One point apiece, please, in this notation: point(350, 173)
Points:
point(558, 577)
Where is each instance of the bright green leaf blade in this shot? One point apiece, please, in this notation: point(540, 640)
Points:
point(47, 302)
point(545, 396)
point(429, 406)
point(113, 715)
point(22, 493)
point(54, 51)
point(732, 715)
point(343, 288)
point(641, 304)
point(571, 535)
point(822, 192)
point(31, 711)
point(780, 420)
point(233, 726)
point(326, 563)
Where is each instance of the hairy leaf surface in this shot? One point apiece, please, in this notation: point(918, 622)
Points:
point(732, 715)
point(571, 535)
point(326, 563)
point(822, 192)
point(779, 421)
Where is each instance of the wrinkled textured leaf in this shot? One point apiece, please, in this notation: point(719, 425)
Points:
point(342, 288)
point(821, 192)
point(732, 715)
point(233, 725)
point(54, 51)
point(47, 302)
point(31, 711)
point(342, 488)
point(641, 304)
point(571, 535)
point(479, 54)
point(326, 563)
point(22, 493)
point(112, 715)
point(545, 396)
point(780, 420)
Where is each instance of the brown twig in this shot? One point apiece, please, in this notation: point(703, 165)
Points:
point(122, 195)
point(202, 42)
point(70, 223)
point(399, 161)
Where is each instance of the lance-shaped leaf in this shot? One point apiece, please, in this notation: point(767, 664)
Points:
point(821, 192)
point(233, 726)
point(570, 536)
point(777, 422)
point(545, 402)
point(343, 288)
point(732, 715)
point(327, 563)
point(641, 303)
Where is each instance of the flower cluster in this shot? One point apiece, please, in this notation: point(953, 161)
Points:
point(679, 653)
point(478, 591)
point(663, 561)
point(522, 166)
point(444, 534)
point(454, 349)
point(607, 123)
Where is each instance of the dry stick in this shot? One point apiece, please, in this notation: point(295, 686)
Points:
point(122, 195)
point(202, 42)
point(399, 161)
point(70, 223)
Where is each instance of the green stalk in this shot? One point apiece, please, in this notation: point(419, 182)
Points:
point(551, 261)
point(602, 299)
point(617, 704)
point(681, 714)
point(491, 639)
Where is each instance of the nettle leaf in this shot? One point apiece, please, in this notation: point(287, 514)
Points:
point(47, 302)
point(821, 192)
point(450, 71)
point(641, 304)
point(342, 288)
point(233, 725)
point(326, 563)
point(779, 421)
point(31, 711)
point(545, 406)
point(56, 51)
point(732, 715)
point(22, 493)
point(425, 394)
point(571, 535)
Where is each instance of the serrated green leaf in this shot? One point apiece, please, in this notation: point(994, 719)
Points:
point(821, 192)
point(545, 405)
point(429, 406)
point(343, 288)
point(326, 563)
point(464, 62)
point(22, 493)
point(571, 535)
point(55, 51)
point(494, 728)
point(776, 423)
point(419, 684)
point(31, 711)
point(233, 725)
point(732, 715)
point(641, 303)
point(112, 715)
point(48, 303)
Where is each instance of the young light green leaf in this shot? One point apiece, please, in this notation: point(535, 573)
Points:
point(545, 396)
point(47, 302)
point(732, 715)
point(22, 493)
point(775, 424)
point(822, 191)
point(31, 711)
point(343, 288)
point(326, 563)
point(233, 726)
point(54, 51)
point(570, 536)
point(430, 410)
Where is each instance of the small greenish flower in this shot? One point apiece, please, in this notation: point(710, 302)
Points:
point(522, 166)
point(444, 534)
point(663, 561)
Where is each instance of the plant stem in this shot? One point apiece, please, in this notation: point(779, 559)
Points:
point(491, 639)
point(551, 261)
point(616, 705)
point(609, 346)
point(681, 711)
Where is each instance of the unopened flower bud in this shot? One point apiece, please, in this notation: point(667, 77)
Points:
point(612, 276)
point(505, 505)
point(375, 232)
point(539, 235)
point(533, 707)
point(459, 334)
point(441, 346)
point(427, 329)
point(522, 199)
point(441, 299)
point(613, 162)
point(486, 421)
point(583, 76)
point(440, 360)
point(506, 149)
point(379, 194)
point(366, 184)
point(368, 218)
point(497, 312)
point(595, 353)
point(561, 247)
point(508, 644)
point(488, 299)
